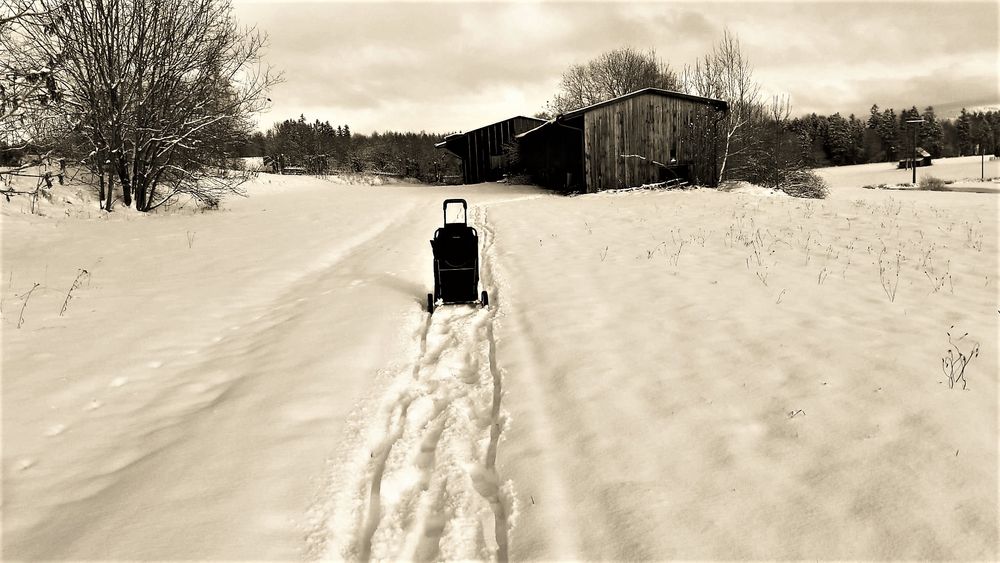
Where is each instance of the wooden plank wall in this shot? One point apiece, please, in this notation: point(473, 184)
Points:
point(487, 142)
point(650, 126)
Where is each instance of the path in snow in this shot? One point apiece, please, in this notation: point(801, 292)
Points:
point(421, 480)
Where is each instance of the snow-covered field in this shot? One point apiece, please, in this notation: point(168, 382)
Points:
point(660, 375)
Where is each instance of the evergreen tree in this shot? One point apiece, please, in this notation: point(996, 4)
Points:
point(981, 133)
point(888, 131)
point(875, 118)
point(838, 140)
point(931, 135)
point(964, 130)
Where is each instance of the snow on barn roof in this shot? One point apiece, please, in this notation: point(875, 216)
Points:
point(457, 135)
point(717, 104)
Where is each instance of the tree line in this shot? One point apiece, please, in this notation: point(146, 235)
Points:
point(322, 148)
point(886, 136)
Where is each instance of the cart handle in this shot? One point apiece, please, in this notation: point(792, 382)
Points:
point(465, 210)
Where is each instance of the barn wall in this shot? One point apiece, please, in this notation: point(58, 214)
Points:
point(483, 159)
point(650, 126)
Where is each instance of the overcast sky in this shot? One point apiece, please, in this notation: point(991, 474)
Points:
point(444, 67)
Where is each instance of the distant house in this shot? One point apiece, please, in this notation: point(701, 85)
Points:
point(482, 150)
point(644, 137)
point(923, 159)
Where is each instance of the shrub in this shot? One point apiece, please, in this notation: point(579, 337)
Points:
point(931, 183)
point(521, 179)
point(804, 183)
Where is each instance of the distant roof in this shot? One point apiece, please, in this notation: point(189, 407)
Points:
point(457, 135)
point(717, 104)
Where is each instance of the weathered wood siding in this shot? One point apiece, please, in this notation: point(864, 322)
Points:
point(484, 159)
point(656, 128)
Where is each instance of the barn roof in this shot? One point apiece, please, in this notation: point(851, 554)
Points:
point(717, 104)
point(712, 102)
point(457, 135)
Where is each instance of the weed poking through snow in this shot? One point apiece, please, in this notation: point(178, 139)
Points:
point(953, 365)
point(888, 276)
point(974, 236)
point(24, 297)
point(780, 295)
point(823, 274)
point(676, 255)
point(938, 281)
point(81, 276)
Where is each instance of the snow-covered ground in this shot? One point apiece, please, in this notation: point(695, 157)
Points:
point(660, 375)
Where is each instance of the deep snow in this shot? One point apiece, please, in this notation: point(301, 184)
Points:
point(661, 375)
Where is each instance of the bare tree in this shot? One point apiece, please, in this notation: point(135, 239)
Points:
point(726, 74)
point(612, 74)
point(157, 88)
point(25, 89)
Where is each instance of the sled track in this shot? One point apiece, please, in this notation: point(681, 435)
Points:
point(421, 481)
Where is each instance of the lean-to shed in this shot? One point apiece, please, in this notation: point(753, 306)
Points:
point(482, 150)
point(644, 137)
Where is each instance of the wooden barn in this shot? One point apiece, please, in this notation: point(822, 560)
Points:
point(923, 159)
point(482, 150)
point(644, 137)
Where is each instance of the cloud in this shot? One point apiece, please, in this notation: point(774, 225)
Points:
point(450, 66)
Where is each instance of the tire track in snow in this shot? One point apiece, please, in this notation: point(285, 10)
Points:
point(500, 510)
point(421, 481)
point(392, 436)
point(564, 537)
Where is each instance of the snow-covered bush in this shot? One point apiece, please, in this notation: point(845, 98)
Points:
point(931, 183)
point(804, 183)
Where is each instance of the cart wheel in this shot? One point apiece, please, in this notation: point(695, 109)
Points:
point(484, 299)
point(430, 303)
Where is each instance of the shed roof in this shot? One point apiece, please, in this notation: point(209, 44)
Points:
point(457, 135)
point(717, 104)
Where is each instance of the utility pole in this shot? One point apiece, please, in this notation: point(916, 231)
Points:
point(913, 162)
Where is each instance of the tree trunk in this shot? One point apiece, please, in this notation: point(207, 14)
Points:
point(122, 168)
point(100, 185)
point(725, 157)
point(111, 192)
point(140, 191)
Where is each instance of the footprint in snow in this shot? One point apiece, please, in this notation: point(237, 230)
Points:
point(154, 364)
point(119, 381)
point(25, 463)
point(55, 430)
point(93, 405)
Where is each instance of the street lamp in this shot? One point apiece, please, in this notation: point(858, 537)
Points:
point(913, 161)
